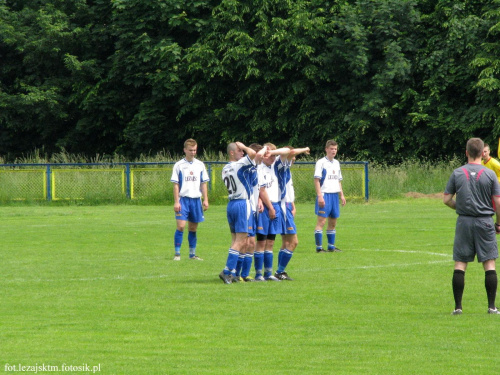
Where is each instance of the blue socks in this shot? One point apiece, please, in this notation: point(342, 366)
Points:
point(259, 263)
point(178, 241)
point(330, 235)
point(192, 244)
point(283, 259)
point(247, 265)
point(239, 264)
point(318, 236)
point(268, 263)
point(232, 260)
point(192, 239)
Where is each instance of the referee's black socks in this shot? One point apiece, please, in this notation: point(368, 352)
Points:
point(491, 282)
point(458, 283)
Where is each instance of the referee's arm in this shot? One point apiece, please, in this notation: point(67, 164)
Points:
point(449, 201)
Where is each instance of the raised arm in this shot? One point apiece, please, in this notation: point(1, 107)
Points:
point(260, 154)
point(284, 151)
point(298, 151)
point(251, 153)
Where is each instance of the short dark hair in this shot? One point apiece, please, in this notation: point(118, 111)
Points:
point(256, 147)
point(475, 147)
point(331, 142)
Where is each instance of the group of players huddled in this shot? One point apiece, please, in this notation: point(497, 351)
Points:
point(261, 205)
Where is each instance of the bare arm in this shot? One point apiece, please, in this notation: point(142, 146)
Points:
point(449, 201)
point(319, 194)
point(177, 203)
point(260, 154)
point(267, 202)
point(251, 153)
point(298, 151)
point(280, 151)
point(341, 195)
point(204, 192)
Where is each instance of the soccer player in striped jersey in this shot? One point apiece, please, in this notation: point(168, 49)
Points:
point(246, 257)
point(289, 236)
point(270, 222)
point(238, 178)
point(328, 185)
point(190, 179)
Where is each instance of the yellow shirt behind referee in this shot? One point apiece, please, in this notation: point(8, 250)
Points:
point(489, 162)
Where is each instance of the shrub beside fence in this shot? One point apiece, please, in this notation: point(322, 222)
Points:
point(148, 182)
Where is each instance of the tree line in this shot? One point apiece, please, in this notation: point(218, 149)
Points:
point(388, 80)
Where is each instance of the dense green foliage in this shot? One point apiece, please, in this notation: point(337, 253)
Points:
point(388, 80)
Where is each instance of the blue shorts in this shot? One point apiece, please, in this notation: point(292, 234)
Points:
point(290, 227)
point(331, 208)
point(238, 214)
point(191, 210)
point(267, 226)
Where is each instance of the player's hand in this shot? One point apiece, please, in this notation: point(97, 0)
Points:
point(342, 199)
point(205, 205)
point(272, 214)
point(321, 201)
point(497, 228)
point(177, 207)
point(308, 151)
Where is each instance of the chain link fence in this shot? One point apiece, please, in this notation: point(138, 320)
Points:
point(148, 182)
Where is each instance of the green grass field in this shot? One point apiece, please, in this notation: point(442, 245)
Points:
point(97, 286)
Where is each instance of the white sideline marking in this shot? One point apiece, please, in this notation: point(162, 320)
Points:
point(409, 251)
point(397, 265)
point(122, 277)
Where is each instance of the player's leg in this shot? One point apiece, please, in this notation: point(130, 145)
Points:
point(463, 253)
point(334, 213)
point(318, 233)
point(178, 237)
point(289, 243)
point(228, 275)
point(286, 253)
point(458, 285)
point(247, 262)
point(241, 259)
point(331, 233)
point(237, 215)
point(192, 240)
point(491, 283)
point(487, 252)
point(259, 256)
point(318, 230)
point(263, 224)
point(269, 257)
point(276, 227)
point(195, 217)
